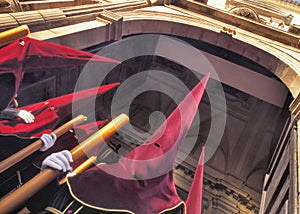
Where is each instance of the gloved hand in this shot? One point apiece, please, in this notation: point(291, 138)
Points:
point(48, 141)
point(26, 116)
point(59, 161)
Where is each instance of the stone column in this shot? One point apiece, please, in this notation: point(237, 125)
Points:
point(295, 158)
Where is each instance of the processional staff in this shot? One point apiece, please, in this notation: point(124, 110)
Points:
point(14, 34)
point(16, 198)
point(86, 164)
point(35, 146)
point(82, 167)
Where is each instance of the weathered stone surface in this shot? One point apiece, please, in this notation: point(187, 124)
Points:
point(235, 174)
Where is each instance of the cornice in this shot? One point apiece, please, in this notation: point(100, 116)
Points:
point(135, 17)
point(218, 191)
point(240, 22)
point(282, 59)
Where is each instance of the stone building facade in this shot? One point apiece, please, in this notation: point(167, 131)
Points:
point(253, 47)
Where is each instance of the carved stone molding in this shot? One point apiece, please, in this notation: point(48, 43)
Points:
point(294, 28)
point(115, 24)
point(224, 191)
point(229, 30)
point(216, 189)
point(264, 9)
point(8, 6)
point(246, 12)
point(45, 18)
point(32, 18)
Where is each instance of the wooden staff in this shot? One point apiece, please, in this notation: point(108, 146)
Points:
point(12, 35)
point(86, 164)
point(16, 198)
point(35, 146)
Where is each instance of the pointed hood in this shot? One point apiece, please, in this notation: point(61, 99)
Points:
point(157, 155)
point(50, 112)
point(142, 181)
point(194, 200)
point(28, 53)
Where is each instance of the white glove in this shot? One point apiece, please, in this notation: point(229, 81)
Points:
point(48, 141)
point(59, 161)
point(26, 116)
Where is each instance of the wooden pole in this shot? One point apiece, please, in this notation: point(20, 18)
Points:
point(86, 164)
point(16, 198)
point(12, 35)
point(103, 134)
point(35, 146)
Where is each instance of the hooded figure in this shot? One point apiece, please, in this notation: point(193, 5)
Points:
point(17, 57)
point(28, 53)
point(128, 186)
point(9, 180)
point(15, 134)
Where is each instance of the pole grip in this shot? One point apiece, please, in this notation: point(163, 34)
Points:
point(86, 164)
point(16, 198)
point(13, 34)
point(100, 136)
point(36, 145)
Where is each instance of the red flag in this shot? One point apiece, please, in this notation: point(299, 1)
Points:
point(28, 53)
point(50, 112)
point(142, 181)
point(194, 200)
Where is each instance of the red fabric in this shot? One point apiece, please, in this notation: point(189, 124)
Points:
point(89, 128)
point(42, 54)
point(145, 178)
point(28, 53)
point(50, 112)
point(194, 200)
point(97, 188)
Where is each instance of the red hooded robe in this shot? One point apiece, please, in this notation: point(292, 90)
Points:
point(136, 190)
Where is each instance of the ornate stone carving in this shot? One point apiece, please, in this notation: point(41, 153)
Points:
point(115, 21)
point(8, 6)
point(221, 192)
point(265, 9)
point(246, 12)
point(294, 28)
point(229, 30)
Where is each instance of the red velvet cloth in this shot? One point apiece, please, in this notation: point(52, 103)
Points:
point(194, 200)
point(98, 189)
point(42, 54)
point(50, 112)
point(142, 181)
point(28, 53)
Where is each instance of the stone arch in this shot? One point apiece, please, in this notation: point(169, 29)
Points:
point(286, 68)
point(271, 55)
